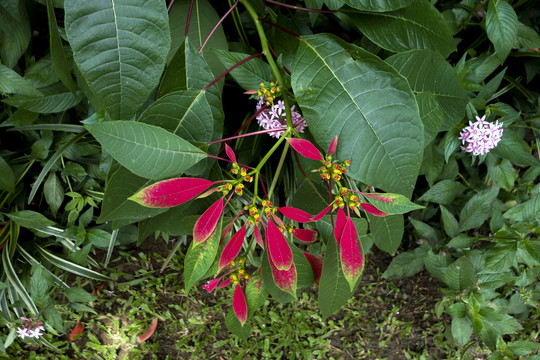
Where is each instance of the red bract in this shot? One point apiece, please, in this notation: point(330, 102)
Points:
point(77, 330)
point(239, 305)
point(333, 146)
point(279, 251)
point(211, 285)
point(258, 236)
point(372, 209)
point(341, 220)
point(149, 332)
point(278, 221)
point(284, 279)
point(352, 260)
point(296, 214)
point(232, 249)
point(320, 215)
point(170, 192)
point(206, 224)
point(305, 148)
point(305, 235)
point(316, 266)
point(230, 153)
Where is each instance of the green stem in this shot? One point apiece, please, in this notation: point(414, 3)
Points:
point(278, 170)
point(466, 182)
point(263, 161)
point(268, 54)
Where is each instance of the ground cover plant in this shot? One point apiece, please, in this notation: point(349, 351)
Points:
point(281, 142)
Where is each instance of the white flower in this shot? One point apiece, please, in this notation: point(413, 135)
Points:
point(275, 118)
point(481, 137)
point(36, 333)
point(22, 333)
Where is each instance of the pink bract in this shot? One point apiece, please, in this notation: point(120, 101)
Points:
point(279, 251)
point(305, 148)
point(232, 249)
point(207, 222)
point(172, 192)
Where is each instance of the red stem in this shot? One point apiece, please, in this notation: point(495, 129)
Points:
point(248, 134)
point(170, 6)
point(301, 8)
point(228, 160)
point(189, 17)
point(231, 69)
point(217, 25)
point(300, 166)
point(244, 125)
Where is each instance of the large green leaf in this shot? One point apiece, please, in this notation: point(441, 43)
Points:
point(431, 113)
point(200, 257)
point(13, 83)
point(122, 184)
point(501, 27)
point(70, 266)
point(334, 290)
point(379, 5)
point(367, 104)
point(427, 71)
point(30, 219)
point(146, 150)
point(14, 34)
point(203, 19)
point(418, 26)
point(120, 47)
point(184, 113)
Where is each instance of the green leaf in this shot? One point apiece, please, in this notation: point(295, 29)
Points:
point(76, 294)
point(522, 348)
point(451, 226)
point(115, 206)
point(334, 290)
point(54, 193)
point(461, 330)
point(387, 231)
point(527, 37)
point(424, 230)
point(460, 274)
point(14, 35)
point(311, 197)
point(70, 266)
point(199, 258)
point(12, 7)
point(376, 120)
point(501, 257)
point(120, 48)
point(392, 203)
point(443, 192)
point(418, 26)
point(403, 265)
point(7, 179)
point(39, 288)
point(477, 209)
point(48, 104)
point(512, 147)
point(58, 56)
point(184, 113)
point(250, 74)
point(236, 327)
point(527, 211)
point(436, 264)
point(146, 150)
point(431, 113)
point(13, 83)
point(378, 6)
point(427, 71)
point(501, 27)
point(256, 295)
point(30, 219)
point(203, 19)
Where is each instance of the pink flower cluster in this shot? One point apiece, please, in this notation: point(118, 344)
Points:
point(30, 328)
point(481, 137)
point(274, 118)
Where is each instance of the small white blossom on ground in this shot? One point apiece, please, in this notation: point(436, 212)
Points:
point(30, 328)
point(274, 117)
point(481, 136)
